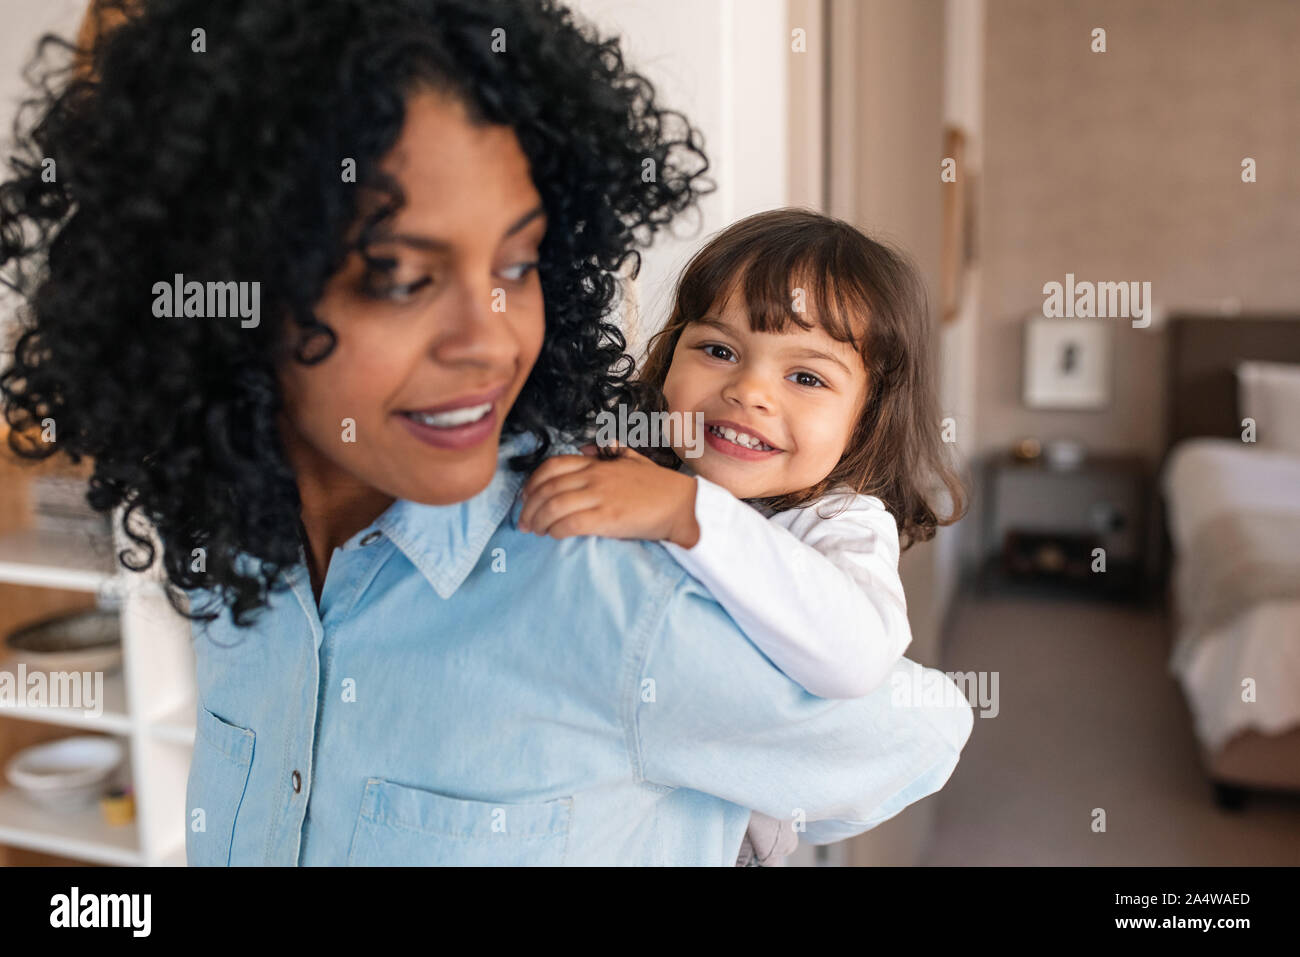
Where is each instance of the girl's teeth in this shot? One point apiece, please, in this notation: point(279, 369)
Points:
point(448, 420)
point(740, 438)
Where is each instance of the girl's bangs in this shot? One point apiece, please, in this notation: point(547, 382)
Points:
point(780, 293)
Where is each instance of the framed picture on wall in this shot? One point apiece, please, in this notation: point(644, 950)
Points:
point(1067, 363)
point(957, 252)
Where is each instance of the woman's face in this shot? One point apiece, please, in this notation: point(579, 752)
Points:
point(437, 333)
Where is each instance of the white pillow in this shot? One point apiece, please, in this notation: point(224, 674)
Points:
point(1269, 393)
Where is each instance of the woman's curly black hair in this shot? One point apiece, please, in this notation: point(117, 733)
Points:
point(227, 162)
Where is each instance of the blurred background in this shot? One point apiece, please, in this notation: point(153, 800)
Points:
point(1129, 570)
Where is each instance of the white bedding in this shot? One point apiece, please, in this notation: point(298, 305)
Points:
point(1203, 478)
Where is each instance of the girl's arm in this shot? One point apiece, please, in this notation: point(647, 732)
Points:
point(820, 597)
point(724, 721)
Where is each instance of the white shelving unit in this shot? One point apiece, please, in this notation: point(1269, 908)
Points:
point(150, 704)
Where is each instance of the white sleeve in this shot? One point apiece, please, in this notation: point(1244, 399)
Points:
point(821, 597)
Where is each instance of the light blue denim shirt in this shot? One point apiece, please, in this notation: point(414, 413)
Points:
point(471, 694)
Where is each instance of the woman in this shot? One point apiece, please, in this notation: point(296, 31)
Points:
point(424, 204)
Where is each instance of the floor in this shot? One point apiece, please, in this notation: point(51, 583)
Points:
point(1089, 719)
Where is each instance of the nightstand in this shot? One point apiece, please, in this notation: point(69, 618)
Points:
point(1042, 524)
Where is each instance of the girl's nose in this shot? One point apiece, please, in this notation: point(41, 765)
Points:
point(748, 391)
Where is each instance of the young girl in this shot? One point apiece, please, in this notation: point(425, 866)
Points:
point(802, 346)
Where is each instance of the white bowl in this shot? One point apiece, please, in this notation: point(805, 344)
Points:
point(69, 799)
point(67, 771)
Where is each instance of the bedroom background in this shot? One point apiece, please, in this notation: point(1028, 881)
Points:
point(1120, 720)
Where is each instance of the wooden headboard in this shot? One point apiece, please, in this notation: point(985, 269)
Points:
point(1203, 353)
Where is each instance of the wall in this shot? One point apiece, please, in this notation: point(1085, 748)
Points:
point(886, 147)
point(24, 22)
point(1126, 165)
point(888, 97)
point(963, 107)
point(723, 63)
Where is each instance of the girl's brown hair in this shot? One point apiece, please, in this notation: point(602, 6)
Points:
point(861, 292)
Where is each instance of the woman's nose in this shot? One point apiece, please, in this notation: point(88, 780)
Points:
point(477, 327)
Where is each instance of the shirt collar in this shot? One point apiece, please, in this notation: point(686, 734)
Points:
point(444, 541)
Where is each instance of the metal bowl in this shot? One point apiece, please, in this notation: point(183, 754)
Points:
point(86, 641)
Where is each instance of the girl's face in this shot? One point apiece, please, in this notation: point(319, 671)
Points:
point(435, 339)
point(798, 393)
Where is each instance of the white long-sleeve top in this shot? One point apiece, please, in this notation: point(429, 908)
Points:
point(820, 596)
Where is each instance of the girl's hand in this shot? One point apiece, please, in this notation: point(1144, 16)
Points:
point(626, 497)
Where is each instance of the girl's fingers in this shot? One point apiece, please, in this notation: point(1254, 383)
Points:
point(557, 484)
point(583, 522)
point(622, 450)
point(560, 506)
point(555, 466)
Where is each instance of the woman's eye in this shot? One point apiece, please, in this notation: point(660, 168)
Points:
point(807, 375)
point(523, 270)
point(395, 292)
point(708, 346)
point(378, 282)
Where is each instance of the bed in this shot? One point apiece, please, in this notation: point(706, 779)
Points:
point(1232, 513)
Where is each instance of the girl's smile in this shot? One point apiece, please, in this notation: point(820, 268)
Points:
point(778, 409)
point(738, 440)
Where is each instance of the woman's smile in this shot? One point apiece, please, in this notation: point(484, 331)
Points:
point(460, 424)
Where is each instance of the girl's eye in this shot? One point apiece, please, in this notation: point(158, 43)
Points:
point(816, 382)
point(524, 270)
point(713, 345)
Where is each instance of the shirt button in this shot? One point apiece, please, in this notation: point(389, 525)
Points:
point(297, 783)
point(371, 538)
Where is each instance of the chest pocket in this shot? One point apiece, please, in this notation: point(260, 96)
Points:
point(405, 826)
point(223, 757)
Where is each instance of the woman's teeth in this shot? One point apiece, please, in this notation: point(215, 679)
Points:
point(449, 420)
point(740, 438)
